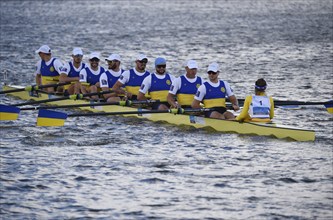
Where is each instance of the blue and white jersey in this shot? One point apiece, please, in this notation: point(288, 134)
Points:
point(157, 85)
point(132, 80)
point(53, 67)
point(87, 75)
point(71, 71)
point(185, 89)
point(109, 78)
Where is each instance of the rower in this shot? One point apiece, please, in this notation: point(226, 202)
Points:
point(132, 79)
point(89, 76)
point(185, 87)
point(258, 107)
point(48, 68)
point(111, 76)
point(213, 93)
point(71, 71)
point(158, 85)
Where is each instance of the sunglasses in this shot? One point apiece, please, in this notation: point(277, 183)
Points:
point(161, 66)
point(78, 56)
point(211, 72)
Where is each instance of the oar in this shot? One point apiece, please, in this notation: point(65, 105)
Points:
point(281, 103)
point(121, 103)
point(54, 118)
point(34, 87)
point(73, 97)
point(8, 113)
point(295, 104)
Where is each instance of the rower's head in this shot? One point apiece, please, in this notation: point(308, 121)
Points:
point(260, 86)
point(160, 65)
point(94, 60)
point(213, 71)
point(77, 55)
point(141, 62)
point(44, 52)
point(114, 61)
point(191, 69)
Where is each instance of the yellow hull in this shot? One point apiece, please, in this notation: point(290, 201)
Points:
point(249, 128)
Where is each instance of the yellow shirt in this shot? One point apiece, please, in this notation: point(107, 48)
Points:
point(244, 115)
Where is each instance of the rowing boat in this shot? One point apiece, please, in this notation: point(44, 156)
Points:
point(248, 128)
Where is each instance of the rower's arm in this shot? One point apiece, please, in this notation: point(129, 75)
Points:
point(107, 95)
point(234, 102)
point(195, 104)
point(171, 101)
point(38, 79)
point(117, 88)
point(244, 113)
point(141, 96)
point(64, 78)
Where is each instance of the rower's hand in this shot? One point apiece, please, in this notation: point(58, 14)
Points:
point(128, 95)
point(176, 105)
point(235, 107)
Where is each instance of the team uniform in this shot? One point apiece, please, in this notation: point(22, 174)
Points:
point(50, 71)
point(71, 71)
point(185, 89)
point(109, 78)
point(257, 108)
point(132, 81)
point(89, 76)
point(158, 87)
point(213, 95)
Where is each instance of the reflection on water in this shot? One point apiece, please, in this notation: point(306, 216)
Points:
point(124, 168)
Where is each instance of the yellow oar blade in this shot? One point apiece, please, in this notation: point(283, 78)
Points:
point(329, 107)
point(51, 118)
point(8, 113)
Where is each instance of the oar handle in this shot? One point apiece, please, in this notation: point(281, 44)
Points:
point(140, 112)
point(120, 113)
point(73, 97)
point(121, 103)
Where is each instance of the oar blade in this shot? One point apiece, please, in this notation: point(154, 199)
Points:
point(51, 118)
point(8, 113)
point(329, 106)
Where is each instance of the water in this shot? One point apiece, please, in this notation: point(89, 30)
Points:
point(124, 168)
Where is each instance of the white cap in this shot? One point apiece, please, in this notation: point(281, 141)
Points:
point(114, 56)
point(44, 49)
point(94, 55)
point(192, 64)
point(213, 67)
point(141, 57)
point(77, 51)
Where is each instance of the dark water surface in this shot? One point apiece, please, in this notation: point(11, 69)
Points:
point(124, 168)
